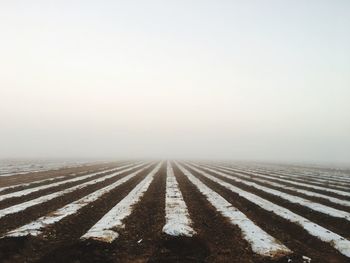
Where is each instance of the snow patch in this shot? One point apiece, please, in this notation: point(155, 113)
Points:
point(43, 187)
point(178, 222)
point(261, 242)
point(338, 242)
point(35, 228)
point(290, 198)
point(22, 206)
point(105, 230)
point(284, 186)
point(290, 181)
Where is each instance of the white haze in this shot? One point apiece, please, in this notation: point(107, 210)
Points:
point(242, 80)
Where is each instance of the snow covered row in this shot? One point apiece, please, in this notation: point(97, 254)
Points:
point(284, 186)
point(338, 242)
point(178, 222)
point(18, 167)
point(47, 186)
point(36, 182)
point(36, 227)
point(329, 180)
point(177, 217)
point(23, 206)
point(291, 181)
point(261, 242)
point(43, 180)
point(290, 198)
point(308, 171)
point(342, 173)
point(292, 173)
point(298, 178)
point(106, 228)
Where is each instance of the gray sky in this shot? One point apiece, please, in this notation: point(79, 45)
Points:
point(257, 80)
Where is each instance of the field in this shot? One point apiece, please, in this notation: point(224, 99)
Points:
point(15, 167)
point(176, 212)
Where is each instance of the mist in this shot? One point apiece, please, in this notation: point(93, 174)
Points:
point(239, 80)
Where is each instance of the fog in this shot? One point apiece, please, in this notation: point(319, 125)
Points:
point(241, 80)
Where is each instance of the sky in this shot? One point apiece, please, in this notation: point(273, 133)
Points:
point(241, 80)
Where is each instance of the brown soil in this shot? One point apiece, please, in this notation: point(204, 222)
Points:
point(308, 188)
point(142, 240)
point(16, 200)
point(293, 236)
point(57, 240)
point(36, 176)
point(14, 220)
point(338, 225)
point(309, 179)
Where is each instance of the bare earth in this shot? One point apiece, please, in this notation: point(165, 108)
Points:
point(142, 239)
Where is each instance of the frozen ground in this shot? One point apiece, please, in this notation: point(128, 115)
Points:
point(15, 166)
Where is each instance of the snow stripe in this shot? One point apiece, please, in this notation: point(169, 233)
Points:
point(304, 177)
point(294, 189)
point(42, 181)
point(35, 182)
point(338, 242)
point(332, 175)
point(8, 168)
point(178, 222)
point(325, 174)
point(297, 178)
point(290, 181)
point(300, 174)
point(261, 242)
point(105, 230)
point(43, 187)
point(290, 198)
point(36, 227)
point(22, 206)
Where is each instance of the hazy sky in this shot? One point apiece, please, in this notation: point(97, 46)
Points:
point(258, 80)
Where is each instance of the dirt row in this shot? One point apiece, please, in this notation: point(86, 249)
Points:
point(300, 178)
point(53, 179)
point(317, 171)
point(300, 169)
point(16, 181)
point(141, 240)
point(306, 188)
point(65, 233)
point(292, 235)
point(324, 201)
point(12, 221)
point(20, 199)
point(338, 225)
point(136, 241)
point(36, 176)
point(310, 180)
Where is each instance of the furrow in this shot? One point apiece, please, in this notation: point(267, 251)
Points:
point(284, 186)
point(319, 179)
point(290, 181)
point(23, 206)
point(178, 222)
point(299, 176)
point(261, 242)
point(36, 227)
point(23, 186)
point(338, 242)
point(287, 172)
point(302, 179)
point(105, 230)
point(290, 198)
point(320, 174)
point(47, 186)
